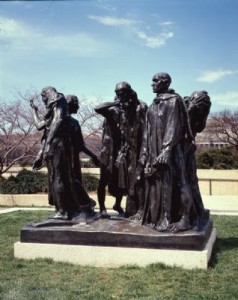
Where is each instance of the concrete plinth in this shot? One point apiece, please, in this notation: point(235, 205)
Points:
point(99, 256)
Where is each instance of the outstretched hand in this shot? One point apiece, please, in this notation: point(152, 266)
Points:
point(37, 165)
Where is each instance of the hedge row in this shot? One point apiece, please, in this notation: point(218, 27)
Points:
point(217, 159)
point(29, 182)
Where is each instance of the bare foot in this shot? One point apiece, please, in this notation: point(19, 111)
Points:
point(118, 209)
point(104, 214)
point(163, 225)
point(92, 203)
point(182, 225)
point(137, 217)
point(59, 215)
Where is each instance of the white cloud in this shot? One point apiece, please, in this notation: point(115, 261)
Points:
point(112, 21)
point(154, 41)
point(17, 37)
point(166, 23)
point(212, 76)
point(226, 99)
point(10, 29)
point(134, 27)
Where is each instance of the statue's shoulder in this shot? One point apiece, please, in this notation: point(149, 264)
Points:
point(142, 106)
point(171, 96)
point(74, 121)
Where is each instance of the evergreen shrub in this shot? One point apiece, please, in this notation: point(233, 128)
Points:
point(90, 182)
point(29, 182)
point(26, 182)
point(217, 159)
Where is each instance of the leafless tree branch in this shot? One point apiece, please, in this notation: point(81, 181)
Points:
point(224, 127)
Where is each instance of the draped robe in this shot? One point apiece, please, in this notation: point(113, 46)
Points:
point(164, 133)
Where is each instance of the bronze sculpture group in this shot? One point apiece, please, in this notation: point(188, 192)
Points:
point(147, 155)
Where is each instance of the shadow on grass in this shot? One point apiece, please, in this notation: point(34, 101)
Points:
point(222, 245)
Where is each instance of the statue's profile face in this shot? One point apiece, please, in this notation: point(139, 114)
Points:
point(73, 105)
point(47, 93)
point(44, 98)
point(158, 85)
point(123, 95)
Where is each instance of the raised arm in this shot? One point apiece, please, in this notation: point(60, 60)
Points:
point(104, 108)
point(39, 123)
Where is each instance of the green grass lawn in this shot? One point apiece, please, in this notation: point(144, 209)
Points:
point(45, 279)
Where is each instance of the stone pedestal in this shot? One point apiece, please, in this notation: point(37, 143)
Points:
point(115, 242)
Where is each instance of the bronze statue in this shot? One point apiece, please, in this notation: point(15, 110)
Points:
point(147, 155)
point(198, 106)
point(131, 125)
point(65, 191)
point(162, 156)
point(109, 150)
point(77, 140)
point(121, 143)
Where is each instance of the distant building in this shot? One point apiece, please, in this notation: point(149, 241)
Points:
point(207, 140)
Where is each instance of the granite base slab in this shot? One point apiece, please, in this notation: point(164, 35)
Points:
point(113, 257)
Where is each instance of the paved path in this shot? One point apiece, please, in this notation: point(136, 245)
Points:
point(218, 205)
point(221, 205)
point(12, 209)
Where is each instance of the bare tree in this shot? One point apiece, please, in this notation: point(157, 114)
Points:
point(224, 127)
point(89, 120)
point(91, 123)
point(18, 139)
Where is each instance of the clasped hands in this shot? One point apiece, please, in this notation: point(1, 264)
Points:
point(162, 159)
point(160, 163)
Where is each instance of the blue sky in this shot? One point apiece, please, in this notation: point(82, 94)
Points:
point(86, 47)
